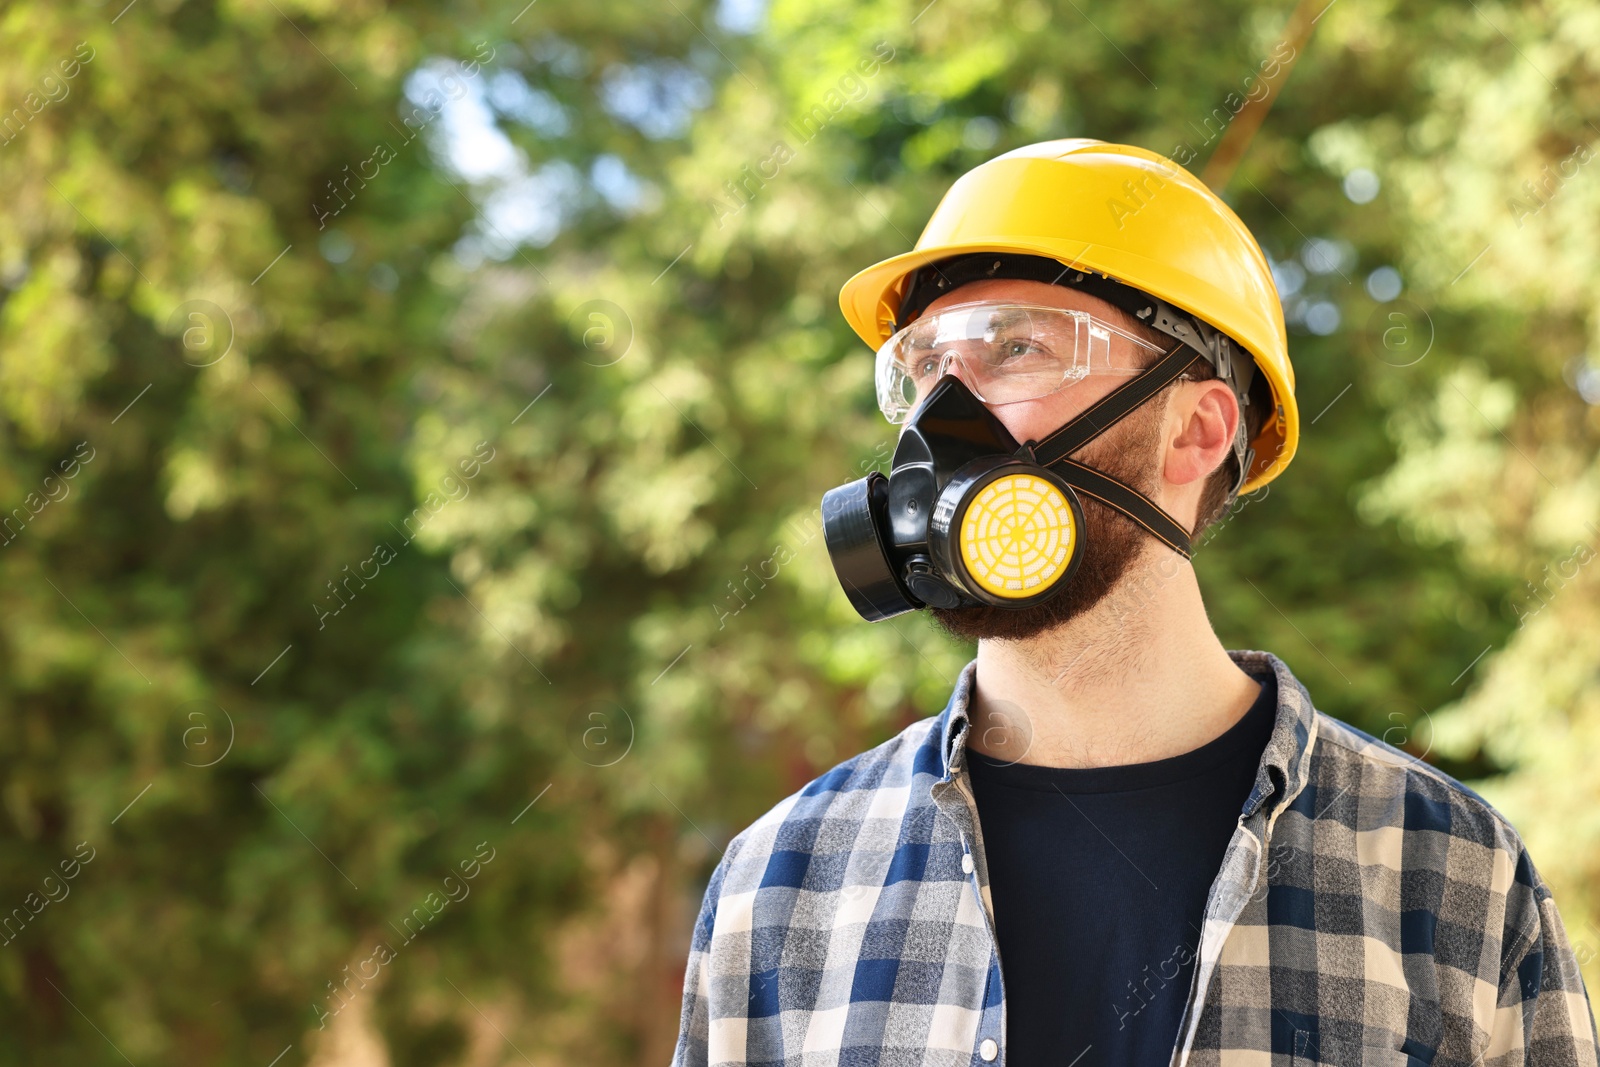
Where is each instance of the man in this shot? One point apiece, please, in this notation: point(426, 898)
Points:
point(1119, 843)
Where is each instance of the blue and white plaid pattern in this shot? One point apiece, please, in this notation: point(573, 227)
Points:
point(1369, 910)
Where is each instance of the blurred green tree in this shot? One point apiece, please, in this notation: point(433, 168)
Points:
point(418, 412)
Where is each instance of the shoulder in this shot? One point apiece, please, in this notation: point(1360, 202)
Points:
point(1404, 813)
point(1423, 798)
point(1361, 792)
point(827, 814)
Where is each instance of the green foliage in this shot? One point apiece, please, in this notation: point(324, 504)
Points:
point(384, 522)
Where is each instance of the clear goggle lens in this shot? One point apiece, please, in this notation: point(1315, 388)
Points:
point(1004, 353)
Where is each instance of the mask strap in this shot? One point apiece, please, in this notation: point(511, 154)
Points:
point(1053, 451)
point(1122, 497)
point(1114, 406)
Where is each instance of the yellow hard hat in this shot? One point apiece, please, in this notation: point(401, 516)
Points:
point(1123, 212)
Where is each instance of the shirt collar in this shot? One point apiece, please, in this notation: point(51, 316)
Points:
point(1285, 761)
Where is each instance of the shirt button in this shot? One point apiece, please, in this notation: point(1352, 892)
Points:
point(966, 866)
point(988, 1050)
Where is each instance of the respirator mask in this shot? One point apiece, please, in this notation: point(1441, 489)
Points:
point(967, 515)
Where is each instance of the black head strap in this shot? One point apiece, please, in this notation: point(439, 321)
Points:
point(936, 279)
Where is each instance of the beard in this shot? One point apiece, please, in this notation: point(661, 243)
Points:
point(1112, 542)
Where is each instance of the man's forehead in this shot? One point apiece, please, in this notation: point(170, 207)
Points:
point(1019, 291)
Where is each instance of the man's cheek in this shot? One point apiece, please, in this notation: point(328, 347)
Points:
point(1034, 420)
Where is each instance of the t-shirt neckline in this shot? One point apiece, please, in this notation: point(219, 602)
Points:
point(1251, 732)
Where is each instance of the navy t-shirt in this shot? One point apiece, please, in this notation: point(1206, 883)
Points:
point(1099, 879)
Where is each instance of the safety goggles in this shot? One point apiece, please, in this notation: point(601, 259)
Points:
point(1004, 353)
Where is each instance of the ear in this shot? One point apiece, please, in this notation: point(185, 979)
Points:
point(1201, 422)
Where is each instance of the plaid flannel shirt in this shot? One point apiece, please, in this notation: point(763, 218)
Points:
point(1368, 910)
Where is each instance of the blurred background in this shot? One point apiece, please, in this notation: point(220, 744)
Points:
point(413, 420)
